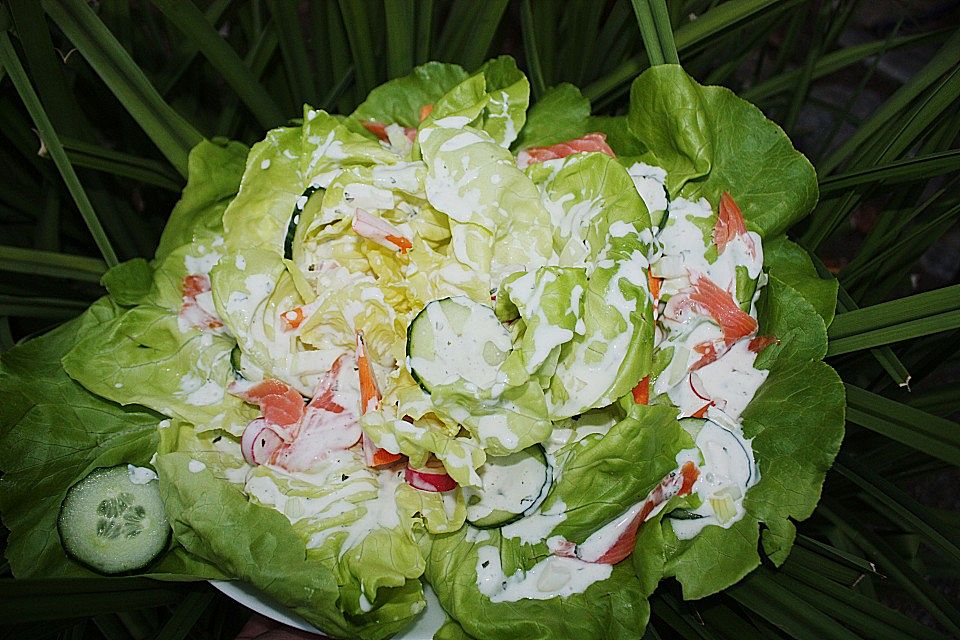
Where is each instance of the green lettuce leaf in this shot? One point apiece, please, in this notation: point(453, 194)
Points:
point(711, 141)
point(604, 475)
point(127, 360)
point(796, 425)
point(790, 263)
point(560, 114)
point(613, 608)
point(256, 544)
point(599, 219)
point(214, 174)
point(400, 100)
point(53, 432)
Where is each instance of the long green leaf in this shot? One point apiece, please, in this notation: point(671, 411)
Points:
point(118, 163)
point(863, 614)
point(893, 108)
point(185, 616)
point(294, 50)
point(173, 135)
point(356, 20)
point(531, 50)
point(760, 593)
point(190, 21)
point(896, 567)
point(930, 434)
point(400, 36)
point(9, 59)
point(28, 600)
point(909, 512)
point(45, 68)
point(888, 314)
point(648, 29)
point(920, 168)
point(48, 263)
point(689, 38)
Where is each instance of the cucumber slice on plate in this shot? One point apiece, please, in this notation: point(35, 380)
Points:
point(513, 486)
point(113, 521)
point(456, 341)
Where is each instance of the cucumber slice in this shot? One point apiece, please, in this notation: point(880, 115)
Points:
point(295, 220)
point(235, 354)
point(684, 514)
point(513, 486)
point(113, 521)
point(456, 341)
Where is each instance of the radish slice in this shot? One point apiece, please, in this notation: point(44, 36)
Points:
point(259, 442)
point(429, 480)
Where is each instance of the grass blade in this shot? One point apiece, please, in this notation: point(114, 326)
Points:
point(651, 39)
point(760, 593)
point(888, 314)
point(689, 38)
point(356, 20)
point(173, 135)
point(189, 20)
point(898, 333)
point(118, 163)
point(894, 107)
point(909, 513)
point(894, 566)
point(45, 68)
point(924, 432)
point(48, 263)
point(661, 21)
point(530, 49)
point(835, 61)
point(293, 48)
point(863, 614)
point(920, 168)
point(9, 59)
point(400, 35)
point(185, 616)
point(17, 606)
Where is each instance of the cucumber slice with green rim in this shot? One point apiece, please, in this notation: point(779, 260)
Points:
point(113, 521)
point(456, 341)
point(235, 354)
point(295, 220)
point(513, 486)
point(684, 514)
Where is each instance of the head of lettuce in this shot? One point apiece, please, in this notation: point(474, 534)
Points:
point(266, 271)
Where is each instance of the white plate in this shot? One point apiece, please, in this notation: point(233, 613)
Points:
point(423, 628)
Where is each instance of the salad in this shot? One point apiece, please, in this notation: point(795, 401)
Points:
point(538, 359)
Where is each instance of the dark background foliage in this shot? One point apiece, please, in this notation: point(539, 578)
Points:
point(119, 90)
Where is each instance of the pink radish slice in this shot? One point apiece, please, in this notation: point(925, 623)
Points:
point(427, 480)
point(259, 442)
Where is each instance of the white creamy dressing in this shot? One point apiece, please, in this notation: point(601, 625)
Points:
point(200, 392)
point(527, 292)
point(650, 183)
point(731, 379)
point(597, 358)
point(325, 498)
point(537, 526)
point(141, 475)
point(550, 578)
point(684, 249)
point(728, 470)
point(195, 466)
